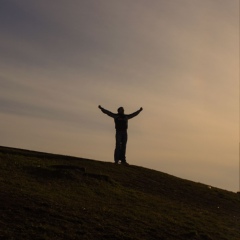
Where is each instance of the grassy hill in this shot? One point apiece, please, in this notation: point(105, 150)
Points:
point(48, 196)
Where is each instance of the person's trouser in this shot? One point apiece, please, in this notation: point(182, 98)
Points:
point(120, 148)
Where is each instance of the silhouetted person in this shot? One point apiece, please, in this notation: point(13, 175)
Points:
point(121, 126)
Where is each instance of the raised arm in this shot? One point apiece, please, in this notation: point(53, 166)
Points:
point(134, 114)
point(105, 111)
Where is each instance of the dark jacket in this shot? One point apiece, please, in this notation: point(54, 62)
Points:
point(121, 120)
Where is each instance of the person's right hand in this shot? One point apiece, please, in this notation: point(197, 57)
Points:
point(100, 107)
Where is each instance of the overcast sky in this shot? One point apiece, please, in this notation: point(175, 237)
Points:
point(178, 59)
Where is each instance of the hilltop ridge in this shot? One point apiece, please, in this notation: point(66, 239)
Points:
point(51, 196)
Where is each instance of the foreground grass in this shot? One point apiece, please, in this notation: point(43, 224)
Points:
point(46, 196)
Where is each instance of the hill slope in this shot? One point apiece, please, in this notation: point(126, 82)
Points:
point(48, 196)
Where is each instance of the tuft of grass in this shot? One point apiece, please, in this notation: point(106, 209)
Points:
point(49, 196)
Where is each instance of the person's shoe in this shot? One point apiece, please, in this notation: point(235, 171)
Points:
point(116, 162)
point(125, 163)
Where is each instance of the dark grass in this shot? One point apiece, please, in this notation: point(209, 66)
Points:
point(48, 196)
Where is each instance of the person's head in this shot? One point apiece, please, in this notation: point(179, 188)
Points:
point(121, 110)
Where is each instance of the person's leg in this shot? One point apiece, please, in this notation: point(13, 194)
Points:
point(117, 147)
point(124, 138)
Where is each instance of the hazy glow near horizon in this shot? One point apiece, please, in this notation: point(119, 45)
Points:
point(179, 60)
